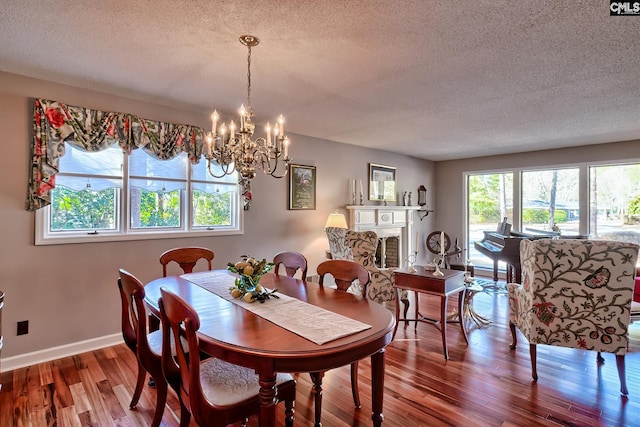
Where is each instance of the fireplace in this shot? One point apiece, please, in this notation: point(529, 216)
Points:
point(387, 254)
point(394, 227)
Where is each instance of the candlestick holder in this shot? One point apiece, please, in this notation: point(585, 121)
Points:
point(438, 261)
point(361, 199)
point(411, 261)
point(353, 198)
point(437, 271)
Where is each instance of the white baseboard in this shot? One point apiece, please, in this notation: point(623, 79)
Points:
point(40, 356)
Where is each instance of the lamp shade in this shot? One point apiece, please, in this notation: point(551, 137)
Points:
point(336, 220)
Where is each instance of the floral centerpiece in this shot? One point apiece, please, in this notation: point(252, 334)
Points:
point(247, 285)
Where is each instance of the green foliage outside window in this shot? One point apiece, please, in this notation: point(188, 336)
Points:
point(634, 206)
point(96, 210)
point(157, 208)
point(82, 210)
point(485, 192)
point(211, 209)
point(541, 216)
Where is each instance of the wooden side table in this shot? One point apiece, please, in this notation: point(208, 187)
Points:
point(423, 281)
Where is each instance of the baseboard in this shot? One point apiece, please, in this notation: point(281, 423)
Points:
point(53, 353)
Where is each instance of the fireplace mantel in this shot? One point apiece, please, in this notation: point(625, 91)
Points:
point(387, 221)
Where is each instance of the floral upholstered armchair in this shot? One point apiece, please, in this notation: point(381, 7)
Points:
point(338, 245)
point(575, 293)
point(363, 245)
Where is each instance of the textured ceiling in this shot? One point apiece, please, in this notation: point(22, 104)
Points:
point(432, 79)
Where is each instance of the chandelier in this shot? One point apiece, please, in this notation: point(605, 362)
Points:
point(233, 148)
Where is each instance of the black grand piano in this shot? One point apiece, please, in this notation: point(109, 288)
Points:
point(504, 245)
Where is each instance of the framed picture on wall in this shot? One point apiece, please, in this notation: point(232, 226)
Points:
point(382, 183)
point(302, 187)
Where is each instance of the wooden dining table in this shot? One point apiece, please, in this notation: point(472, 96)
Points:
point(232, 333)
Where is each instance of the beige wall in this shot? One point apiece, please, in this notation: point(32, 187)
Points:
point(449, 202)
point(69, 293)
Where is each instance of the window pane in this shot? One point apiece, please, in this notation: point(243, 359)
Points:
point(200, 172)
point(142, 164)
point(615, 203)
point(79, 183)
point(89, 210)
point(550, 198)
point(213, 204)
point(490, 200)
point(155, 203)
point(106, 162)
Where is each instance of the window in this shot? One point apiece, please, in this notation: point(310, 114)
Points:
point(602, 201)
point(490, 200)
point(550, 201)
point(615, 202)
point(106, 195)
point(87, 193)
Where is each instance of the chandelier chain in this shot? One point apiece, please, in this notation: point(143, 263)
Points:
point(249, 79)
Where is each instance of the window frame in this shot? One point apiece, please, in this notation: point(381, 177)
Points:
point(124, 231)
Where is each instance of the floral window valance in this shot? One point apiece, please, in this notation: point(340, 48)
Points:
point(55, 123)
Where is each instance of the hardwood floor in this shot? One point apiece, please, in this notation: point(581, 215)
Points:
point(484, 384)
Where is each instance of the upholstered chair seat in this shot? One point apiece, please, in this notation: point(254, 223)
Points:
point(225, 384)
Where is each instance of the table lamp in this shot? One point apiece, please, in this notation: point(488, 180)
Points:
point(336, 220)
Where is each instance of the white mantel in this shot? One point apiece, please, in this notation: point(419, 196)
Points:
point(387, 221)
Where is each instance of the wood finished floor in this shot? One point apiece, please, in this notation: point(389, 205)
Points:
point(484, 384)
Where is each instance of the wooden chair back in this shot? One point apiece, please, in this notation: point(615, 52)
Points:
point(186, 257)
point(344, 273)
point(135, 334)
point(182, 366)
point(134, 312)
point(292, 262)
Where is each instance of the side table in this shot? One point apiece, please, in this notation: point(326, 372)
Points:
point(423, 281)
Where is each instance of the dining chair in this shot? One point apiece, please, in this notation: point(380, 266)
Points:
point(147, 346)
point(292, 262)
point(186, 257)
point(344, 273)
point(215, 392)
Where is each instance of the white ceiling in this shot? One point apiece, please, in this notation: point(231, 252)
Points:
point(437, 80)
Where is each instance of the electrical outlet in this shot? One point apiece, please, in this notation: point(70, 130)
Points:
point(23, 327)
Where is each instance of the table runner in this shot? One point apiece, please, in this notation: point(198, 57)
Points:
point(307, 320)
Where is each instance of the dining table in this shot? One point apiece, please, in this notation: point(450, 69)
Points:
point(240, 332)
